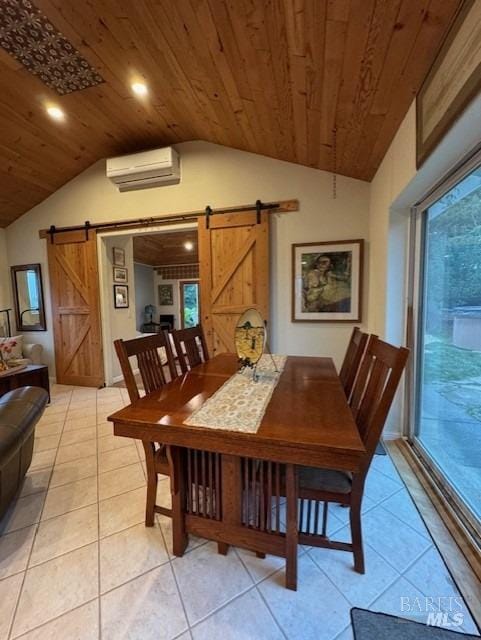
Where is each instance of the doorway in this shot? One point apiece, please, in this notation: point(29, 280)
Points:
point(156, 261)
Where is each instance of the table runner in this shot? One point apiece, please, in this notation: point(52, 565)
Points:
point(240, 403)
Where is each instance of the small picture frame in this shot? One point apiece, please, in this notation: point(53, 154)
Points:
point(118, 256)
point(166, 295)
point(327, 281)
point(121, 296)
point(121, 275)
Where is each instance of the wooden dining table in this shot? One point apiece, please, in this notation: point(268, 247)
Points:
point(232, 487)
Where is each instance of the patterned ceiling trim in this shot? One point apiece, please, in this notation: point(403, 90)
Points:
point(30, 37)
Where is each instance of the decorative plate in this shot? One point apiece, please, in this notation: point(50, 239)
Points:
point(250, 337)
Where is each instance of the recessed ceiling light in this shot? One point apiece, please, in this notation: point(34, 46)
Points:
point(139, 88)
point(56, 113)
point(188, 245)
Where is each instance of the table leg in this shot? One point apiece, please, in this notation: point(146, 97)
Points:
point(231, 493)
point(222, 548)
point(291, 527)
point(179, 535)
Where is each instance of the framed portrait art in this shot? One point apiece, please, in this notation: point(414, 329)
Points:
point(166, 295)
point(452, 83)
point(118, 256)
point(327, 281)
point(121, 296)
point(120, 275)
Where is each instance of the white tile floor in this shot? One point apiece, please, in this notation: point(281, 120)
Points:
point(76, 561)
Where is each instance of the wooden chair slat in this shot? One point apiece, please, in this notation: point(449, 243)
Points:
point(374, 388)
point(352, 359)
point(191, 347)
point(146, 352)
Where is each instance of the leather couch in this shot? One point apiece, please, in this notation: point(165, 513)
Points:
point(20, 411)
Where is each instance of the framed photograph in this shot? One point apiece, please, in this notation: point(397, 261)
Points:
point(121, 296)
point(118, 256)
point(166, 295)
point(120, 275)
point(453, 81)
point(327, 281)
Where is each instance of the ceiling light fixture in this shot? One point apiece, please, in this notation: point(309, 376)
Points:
point(188, 245)
point(139, 88)
point(56, 113)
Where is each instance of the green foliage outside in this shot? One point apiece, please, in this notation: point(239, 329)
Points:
point(453, 279)
point(447, 363)
point(191, 305)
point(454, 267)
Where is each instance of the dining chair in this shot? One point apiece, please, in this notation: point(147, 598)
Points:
point(152, 373)
point(352, 360)
point(374, 389)
point(190, 346)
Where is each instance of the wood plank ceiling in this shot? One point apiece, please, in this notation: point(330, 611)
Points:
point(268, 76)
point(166, 248)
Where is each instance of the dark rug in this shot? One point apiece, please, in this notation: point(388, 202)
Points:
point(369, 625)
point(380, 450)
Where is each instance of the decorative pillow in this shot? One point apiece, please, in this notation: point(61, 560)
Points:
point(11, 347)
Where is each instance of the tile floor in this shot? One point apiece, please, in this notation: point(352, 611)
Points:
point(76, 561)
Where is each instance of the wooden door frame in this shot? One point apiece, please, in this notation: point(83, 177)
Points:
point(104, 284)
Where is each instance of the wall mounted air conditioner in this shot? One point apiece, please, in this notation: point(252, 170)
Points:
point(146, 169)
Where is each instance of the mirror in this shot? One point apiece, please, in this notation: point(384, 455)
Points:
point(28, 297)
point(250, 338)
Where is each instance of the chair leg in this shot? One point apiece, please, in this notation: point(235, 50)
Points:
point(356, 535)
point(222, 548)
point(152, 479)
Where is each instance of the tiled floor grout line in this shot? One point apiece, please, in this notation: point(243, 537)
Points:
point(123, 466)
point(140, 575)
point(261, 594)
point(171, 559)
point(70, 510)
point(20, 592)
point(400, 483)
point(175, 580)
point(398, 575)
point(79, 606)
point(223, 605)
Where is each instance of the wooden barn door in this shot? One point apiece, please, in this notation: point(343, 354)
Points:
point(74, 286)
point(234, 273)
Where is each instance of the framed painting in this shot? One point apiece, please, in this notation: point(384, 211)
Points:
point(166, 295)
point(121, 296)
point(453, 81)
point(120, 275)
point(327, 281)
point(118, 255)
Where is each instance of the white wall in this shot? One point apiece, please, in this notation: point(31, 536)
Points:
point(143, 283)
point(117, 323)
point(219, 176)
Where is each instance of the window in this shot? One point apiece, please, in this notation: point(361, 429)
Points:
point(189, 301)
point(447, 424)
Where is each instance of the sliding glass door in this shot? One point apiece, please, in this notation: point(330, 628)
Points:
point(447, 424)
